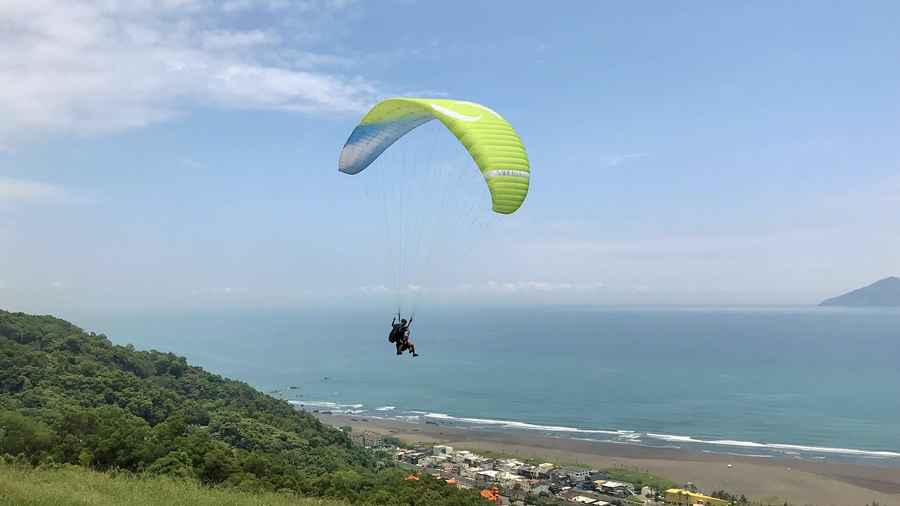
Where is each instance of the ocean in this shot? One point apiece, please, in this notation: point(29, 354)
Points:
point(796, 382)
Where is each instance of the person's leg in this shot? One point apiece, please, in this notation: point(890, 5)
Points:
point(412, 349)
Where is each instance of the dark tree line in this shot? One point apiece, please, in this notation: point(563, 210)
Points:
point(70, 397)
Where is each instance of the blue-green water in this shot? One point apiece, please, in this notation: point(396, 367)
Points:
point(809, 383)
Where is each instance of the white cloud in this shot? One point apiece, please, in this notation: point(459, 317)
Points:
point(194, 164)
point(675, 245)
point(340, 3)
point(536, 286)
point(35, 192)
point(225, 290)
point(374, 289)
point(311, 60)
point(92, 65)
point(614, 160)
point(58, 284)
point(237, 5)
point(225, 39)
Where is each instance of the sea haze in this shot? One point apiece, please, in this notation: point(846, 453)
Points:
point(812, 383)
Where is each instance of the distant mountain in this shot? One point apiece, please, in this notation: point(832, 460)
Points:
point(884, 293)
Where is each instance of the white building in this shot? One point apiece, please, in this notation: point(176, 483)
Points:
point(441, 450)
point(508, 465)
point(461, 456)
point(489, 476)
point(614, 488)
point(576, 473)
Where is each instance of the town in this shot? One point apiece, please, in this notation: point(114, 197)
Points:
point(511, 481)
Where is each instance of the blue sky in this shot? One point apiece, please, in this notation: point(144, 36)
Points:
point(183, 153)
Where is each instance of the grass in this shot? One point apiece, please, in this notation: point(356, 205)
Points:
point(80, 487)
point(630, 476)
point(534, 461)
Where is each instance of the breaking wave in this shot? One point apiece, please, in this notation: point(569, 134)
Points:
point(650, 439)
point(781, 448)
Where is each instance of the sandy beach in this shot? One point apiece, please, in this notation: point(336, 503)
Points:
point(797, 482)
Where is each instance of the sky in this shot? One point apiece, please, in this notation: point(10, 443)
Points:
point(182, 154)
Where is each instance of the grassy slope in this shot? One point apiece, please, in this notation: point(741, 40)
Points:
point(76, 486)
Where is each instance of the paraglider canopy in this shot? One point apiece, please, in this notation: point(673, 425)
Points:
point(490, 140)
point(426, 183)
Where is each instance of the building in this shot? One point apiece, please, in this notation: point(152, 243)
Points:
point(442, 451)
point(614, 488)
point(412, 457)
point(539, 486)
point(461, 456)
point(488, 476)
point(532, 486)
point(678, 497)
point(493, 495)
point(373, 439)
point(508, 465)
point(367, 438)
point(575, 473)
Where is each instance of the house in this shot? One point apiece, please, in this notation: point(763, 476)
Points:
point(373, 439)
point(678, 497)
point(538, 486)
point(574, 473)
point(367, 438)
point(488, 476)
point(525, 470)
point(614, 488)
point(442, 450)
point(509, 465)
point(461, 456)
point(413, 457)
point(508, 480)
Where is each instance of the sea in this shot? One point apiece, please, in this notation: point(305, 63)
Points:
point(792, 382)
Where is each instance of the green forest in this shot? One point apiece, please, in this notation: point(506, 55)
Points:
point(72, 398)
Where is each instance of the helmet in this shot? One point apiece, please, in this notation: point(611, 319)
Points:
point(403, 321)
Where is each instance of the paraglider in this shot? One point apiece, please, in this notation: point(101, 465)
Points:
point(400, 336)
point(427, 187)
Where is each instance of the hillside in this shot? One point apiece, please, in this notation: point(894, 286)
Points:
point(883, 293)
point(78, 486)
point(71, 397)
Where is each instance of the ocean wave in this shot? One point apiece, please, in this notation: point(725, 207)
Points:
point(620, 436)
point(326, 404)
point(783, 448)
point(350, 409)
point(511, 424)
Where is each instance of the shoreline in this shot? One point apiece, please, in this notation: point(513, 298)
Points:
point(745, 448)
point(798, 482)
